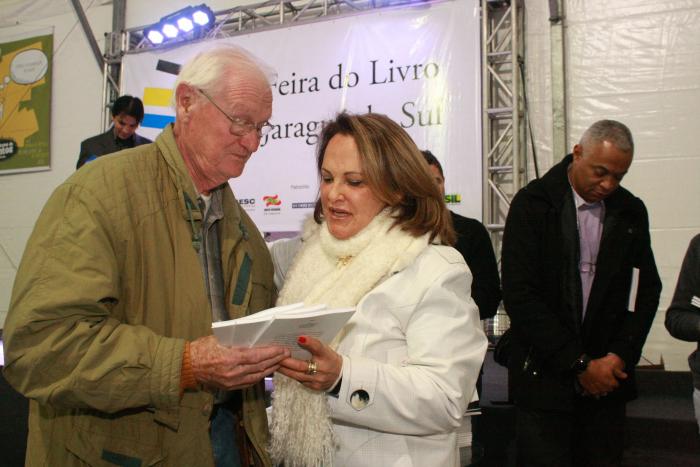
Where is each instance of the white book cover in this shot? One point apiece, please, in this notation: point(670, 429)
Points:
point(282, 326)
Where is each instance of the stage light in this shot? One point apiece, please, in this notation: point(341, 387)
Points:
point(187, 23)
point(155, 37)
point(201, 16)
point(169, 30)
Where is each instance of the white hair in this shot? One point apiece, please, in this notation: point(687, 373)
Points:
point(209, 70)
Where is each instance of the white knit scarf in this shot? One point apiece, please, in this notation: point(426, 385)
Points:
point(337, 273)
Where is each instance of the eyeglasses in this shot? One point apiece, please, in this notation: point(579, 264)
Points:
point(240, 126)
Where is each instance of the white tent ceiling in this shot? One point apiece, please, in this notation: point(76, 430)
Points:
point(15, 12)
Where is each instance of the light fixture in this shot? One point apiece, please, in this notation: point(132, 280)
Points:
point(202, 17)
point(155, 36)
point(187, 23)
point(170, 30)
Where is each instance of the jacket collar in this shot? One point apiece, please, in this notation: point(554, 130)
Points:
point(176, 164)
point(187, 193)
point(555, 183)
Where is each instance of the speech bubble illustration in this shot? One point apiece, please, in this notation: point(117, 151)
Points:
point(29, 66)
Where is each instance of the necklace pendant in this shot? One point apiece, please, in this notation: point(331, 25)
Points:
point(343, 261)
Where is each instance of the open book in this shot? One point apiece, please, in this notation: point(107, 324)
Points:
point(282, 325)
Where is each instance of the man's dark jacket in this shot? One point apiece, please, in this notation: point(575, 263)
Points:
point(542, 290)
point(474, 244)
point(106, 143)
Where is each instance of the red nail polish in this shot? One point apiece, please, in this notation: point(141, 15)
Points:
point(301, 340)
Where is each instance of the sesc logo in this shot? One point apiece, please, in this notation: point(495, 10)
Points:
point(273, 200)
point(247, 203)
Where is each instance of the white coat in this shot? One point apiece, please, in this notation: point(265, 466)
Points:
point(410, 363)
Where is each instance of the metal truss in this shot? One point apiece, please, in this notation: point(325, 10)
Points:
point(268, 15)
point(503, 122)
point(230, 22)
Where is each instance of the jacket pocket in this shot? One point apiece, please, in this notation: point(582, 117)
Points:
point(102, 441)
point(257, 297)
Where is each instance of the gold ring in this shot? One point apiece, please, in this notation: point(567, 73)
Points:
point(311, 370)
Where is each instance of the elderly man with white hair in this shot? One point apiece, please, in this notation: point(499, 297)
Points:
point(130, 262)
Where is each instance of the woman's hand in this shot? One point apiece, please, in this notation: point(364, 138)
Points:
point(329, 365)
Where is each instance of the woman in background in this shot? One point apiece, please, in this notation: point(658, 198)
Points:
point(393, 386)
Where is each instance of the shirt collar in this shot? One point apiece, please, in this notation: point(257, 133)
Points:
point(122, 142)
point(580, 202)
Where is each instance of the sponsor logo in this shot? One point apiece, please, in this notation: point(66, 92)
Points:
point(303, 205)
point(272, 205)
point(453, 198)
point(8, 148)
point(273, 200)
point(247, 203)
point(299, 187)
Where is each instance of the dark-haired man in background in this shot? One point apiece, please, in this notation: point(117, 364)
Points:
point(474, 244)
point(127, 115)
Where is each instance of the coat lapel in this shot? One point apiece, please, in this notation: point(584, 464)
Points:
point(571, 286)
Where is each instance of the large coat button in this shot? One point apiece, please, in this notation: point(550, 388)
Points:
point(359, 399)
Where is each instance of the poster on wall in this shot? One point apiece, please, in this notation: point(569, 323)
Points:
point(419, 65)
point(25, 103)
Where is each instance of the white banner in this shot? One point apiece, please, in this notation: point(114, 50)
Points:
point(418, 65)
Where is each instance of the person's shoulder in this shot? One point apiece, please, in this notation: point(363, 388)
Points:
point(140, 140)
point(93, 140)
point(535, 192)
point(532, 196)
point(439, 256)
point(285, 249)
point(624, 199)
point(466, 222)
point(550, 188)
point(433, 264)
point(695, 243)
point(129, 166)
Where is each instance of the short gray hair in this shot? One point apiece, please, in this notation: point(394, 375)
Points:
point(609, 130)
point(208, 69)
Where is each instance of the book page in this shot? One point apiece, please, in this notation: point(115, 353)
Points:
point(282, 326)
point(322, 325)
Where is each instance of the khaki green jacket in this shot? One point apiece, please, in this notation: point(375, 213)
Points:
point(109, 288)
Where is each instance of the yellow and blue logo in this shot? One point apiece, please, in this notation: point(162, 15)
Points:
point(158, 111)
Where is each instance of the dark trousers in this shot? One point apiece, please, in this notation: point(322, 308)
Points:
point(590, 436)
point(478, 441)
